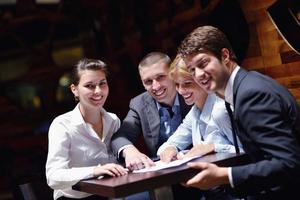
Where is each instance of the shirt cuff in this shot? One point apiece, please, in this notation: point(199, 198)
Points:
point(230, 177)
point(122, 148)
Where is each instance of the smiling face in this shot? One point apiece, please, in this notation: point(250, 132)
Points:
point(209, 72)
point(92, 88)
point(156, 81)
point(189, 89)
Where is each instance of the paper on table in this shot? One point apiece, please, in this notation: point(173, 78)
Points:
point(161, 165)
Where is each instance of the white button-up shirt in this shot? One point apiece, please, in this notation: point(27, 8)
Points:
point(75, 150)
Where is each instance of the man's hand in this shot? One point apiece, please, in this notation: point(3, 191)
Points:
point(210, 175)
point(168, 154)
point(200, 149)
point(134, 159)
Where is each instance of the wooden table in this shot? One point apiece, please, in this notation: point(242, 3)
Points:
point(139, 182)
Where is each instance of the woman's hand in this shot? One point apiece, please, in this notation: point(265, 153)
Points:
point(168, 154)
point(200, 149)
point(135, 160)
point(110, 169)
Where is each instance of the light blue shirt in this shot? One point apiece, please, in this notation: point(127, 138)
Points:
point(211, 126)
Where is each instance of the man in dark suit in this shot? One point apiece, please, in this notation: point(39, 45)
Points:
point(154, 114)
point(265, 115)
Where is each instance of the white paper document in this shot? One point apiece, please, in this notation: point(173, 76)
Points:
point(161, 165)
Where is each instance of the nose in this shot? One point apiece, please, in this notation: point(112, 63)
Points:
point(155, 84)
point(181, 90)
point(97, 89)
point(199, 73)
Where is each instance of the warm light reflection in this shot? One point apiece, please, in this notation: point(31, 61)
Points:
point(63, 93)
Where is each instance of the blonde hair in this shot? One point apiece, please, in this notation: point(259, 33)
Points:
point(178, 68)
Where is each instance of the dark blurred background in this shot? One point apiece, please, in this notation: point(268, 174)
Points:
point(41, 40)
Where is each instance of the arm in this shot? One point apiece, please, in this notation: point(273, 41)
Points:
point(199, 149)
point(59, 174)
point(168, 154)
point(127, 135)
point(129, 131)
point(269, 128)
point(135, 160)
point(60, 171)
point(180, 139)
point(210, 176)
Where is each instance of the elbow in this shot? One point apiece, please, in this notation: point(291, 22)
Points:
point(53, 184)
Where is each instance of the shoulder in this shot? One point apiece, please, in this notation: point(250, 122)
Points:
point(256, 81)
point(141, 97)
point(63, 119)
point(110, 116)
point(142, 100)
point(62, 125)
point(258, 86)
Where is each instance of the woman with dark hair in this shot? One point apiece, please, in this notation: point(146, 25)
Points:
point(79, 140)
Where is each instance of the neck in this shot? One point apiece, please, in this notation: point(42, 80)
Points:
point(171, 103)
point(92, 116)
point(200, 103)
point(231, 65)
point(220, 95)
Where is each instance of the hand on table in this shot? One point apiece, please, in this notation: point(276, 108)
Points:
point(200, 149)
point(168, 154)
point(110, 169)
point(210, 175)
point(135, 160)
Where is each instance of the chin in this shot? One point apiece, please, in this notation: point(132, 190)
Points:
point(188, 102)
point(98, 105)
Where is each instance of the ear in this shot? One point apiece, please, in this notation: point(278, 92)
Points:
point(74, 90)
point(225, 55)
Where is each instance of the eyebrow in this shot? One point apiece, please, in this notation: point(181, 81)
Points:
point(200, 60)
point(92, 82)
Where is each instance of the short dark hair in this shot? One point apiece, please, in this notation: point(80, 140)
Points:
point(154, 57)
point(206, 39)
point(87, 64)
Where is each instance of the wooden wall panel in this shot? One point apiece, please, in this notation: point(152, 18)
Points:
point(268, 53)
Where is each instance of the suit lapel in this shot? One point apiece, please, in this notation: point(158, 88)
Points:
point(153, 119)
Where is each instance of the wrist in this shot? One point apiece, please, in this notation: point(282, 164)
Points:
point(223, 175)
point(129, 151)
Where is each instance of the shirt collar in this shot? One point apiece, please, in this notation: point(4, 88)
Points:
point(77, 117)
point(207, 108)
point(229, 87)
point(176, 102)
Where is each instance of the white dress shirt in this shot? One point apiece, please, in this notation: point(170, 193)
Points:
point(209, 126)
point(75, 149)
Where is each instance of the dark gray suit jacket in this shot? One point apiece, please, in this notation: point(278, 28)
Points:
point(142, 118)
point(268, 121)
